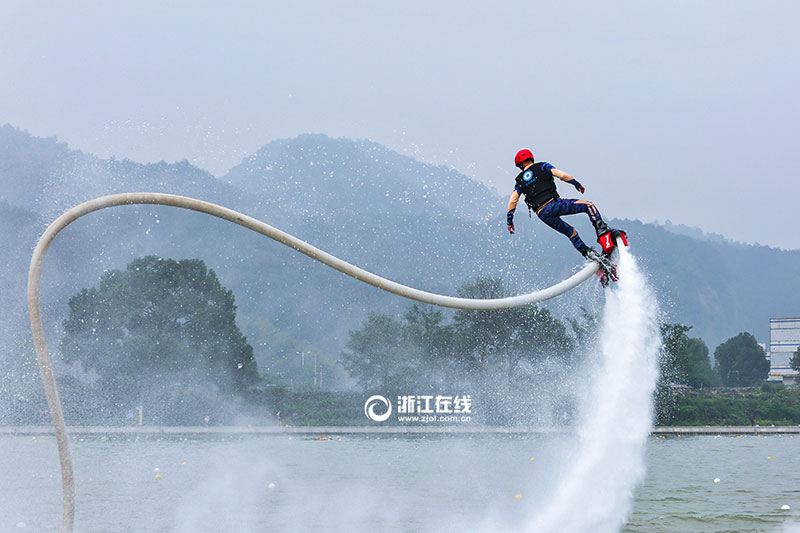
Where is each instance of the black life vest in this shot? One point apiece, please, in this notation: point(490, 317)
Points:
point(537, 184)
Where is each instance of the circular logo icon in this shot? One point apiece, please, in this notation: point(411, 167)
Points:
point(369, 408)
point(528, 175)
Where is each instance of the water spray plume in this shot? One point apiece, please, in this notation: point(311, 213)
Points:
point(616, 416)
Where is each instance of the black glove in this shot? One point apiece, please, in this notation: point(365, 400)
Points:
point(577, 185)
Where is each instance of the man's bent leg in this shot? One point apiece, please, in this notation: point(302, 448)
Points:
point(570, 207)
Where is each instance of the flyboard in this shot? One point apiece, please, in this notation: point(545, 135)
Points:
point(607, 261)
point(603, 266)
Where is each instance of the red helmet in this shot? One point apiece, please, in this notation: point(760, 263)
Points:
point(522, 156)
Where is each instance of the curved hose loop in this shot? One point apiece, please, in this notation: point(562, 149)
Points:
point(43, 357)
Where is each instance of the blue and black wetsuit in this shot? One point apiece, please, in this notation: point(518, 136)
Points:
point(538, 185)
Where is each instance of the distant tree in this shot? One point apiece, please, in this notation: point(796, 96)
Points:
point(378, 356)
point(538, 334)
point(159, 324)
point(741, 362)
point(699, 372)
point(428, 333)
point(795, 361)
point(685, 360)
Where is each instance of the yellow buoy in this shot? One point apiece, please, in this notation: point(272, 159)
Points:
point(768, 457)
point(517, 496)
point(533, 459)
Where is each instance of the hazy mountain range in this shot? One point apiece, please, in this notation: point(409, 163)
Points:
point(419, 224)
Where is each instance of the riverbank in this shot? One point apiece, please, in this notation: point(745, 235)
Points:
point(154, 431)
point(765, 405)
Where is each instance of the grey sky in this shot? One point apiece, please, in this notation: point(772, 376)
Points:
point(679, 110)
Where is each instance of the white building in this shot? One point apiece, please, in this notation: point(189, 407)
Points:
point(784, 341)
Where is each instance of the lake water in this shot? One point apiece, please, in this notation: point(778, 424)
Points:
point(355, 482)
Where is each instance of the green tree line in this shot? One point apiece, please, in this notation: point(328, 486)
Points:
point(162, 334)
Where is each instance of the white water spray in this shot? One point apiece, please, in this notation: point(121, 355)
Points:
point(595, 491)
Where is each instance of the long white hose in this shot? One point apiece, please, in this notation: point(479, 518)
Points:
point(43, 357)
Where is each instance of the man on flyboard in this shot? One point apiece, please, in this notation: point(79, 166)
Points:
point(536, 182)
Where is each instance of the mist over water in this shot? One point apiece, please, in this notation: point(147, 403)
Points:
point(596, 487)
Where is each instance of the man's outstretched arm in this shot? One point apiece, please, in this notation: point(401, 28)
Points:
point(512, 205)
point(560, 174)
